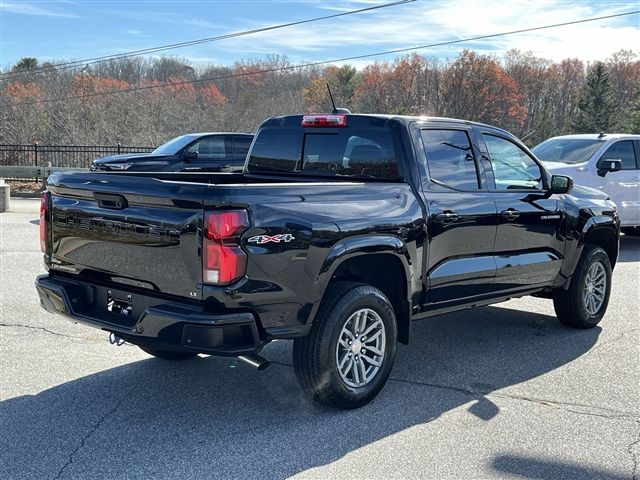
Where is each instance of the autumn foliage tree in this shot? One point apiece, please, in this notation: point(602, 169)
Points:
point(16, 122)
point(624, 72)
point(156, 99)
point(342, 81)
point(477, 88)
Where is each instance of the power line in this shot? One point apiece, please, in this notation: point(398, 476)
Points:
point(324, 62)
point(133, 53)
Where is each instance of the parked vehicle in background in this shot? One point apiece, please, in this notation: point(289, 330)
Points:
point(194, 152)
point(340, 231)
point(608, 162)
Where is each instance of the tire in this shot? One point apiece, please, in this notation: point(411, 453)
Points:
point(318, 356)
point(571, 305)
point(168, 354)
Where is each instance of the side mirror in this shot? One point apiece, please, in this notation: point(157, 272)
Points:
point(187, 156)
point(561, 184)
point(606, 166)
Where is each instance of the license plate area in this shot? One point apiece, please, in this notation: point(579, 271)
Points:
point(121, 306)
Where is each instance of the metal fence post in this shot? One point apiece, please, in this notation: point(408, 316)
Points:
point(118, 148)
point(45, 171)
point(35, 153)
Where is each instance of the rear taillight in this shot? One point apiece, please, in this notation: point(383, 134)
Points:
point(223, 261)
point(42, 224)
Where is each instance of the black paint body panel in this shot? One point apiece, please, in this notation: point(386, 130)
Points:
point(153, 246)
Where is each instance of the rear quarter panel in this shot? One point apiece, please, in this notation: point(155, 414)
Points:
point(286, 280)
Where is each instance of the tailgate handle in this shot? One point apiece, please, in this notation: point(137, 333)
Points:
point(110, 200)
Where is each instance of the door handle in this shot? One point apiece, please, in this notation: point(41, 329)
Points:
point(510, 214)
point(447, 217)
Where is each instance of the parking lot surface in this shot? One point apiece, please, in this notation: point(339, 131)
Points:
point(498, 392)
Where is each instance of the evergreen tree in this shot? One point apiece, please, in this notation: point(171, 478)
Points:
point(634, 117)
point(25, 64)
point(596, 104)
point(543, 126)
point(633, 121)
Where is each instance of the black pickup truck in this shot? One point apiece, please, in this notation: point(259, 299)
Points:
point(340, 231)
point(193, 152)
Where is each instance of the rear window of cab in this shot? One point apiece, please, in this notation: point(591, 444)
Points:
point(356, 152)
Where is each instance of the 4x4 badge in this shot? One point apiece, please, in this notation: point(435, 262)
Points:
point(281, 237)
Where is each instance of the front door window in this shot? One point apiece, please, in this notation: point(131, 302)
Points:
point(512, 167)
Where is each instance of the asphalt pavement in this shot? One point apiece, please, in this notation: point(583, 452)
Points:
point(498, 392)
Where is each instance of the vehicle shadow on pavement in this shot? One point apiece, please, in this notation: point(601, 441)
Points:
point(527, 467)
point(629, 249)
point(217, 418)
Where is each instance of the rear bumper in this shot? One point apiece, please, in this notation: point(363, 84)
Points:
point(150, 320)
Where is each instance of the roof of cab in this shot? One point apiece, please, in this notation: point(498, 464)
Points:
point(201, 134)
point(598, 136)
point(403, 118)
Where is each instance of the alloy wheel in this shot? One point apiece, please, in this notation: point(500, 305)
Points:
point(361, 348)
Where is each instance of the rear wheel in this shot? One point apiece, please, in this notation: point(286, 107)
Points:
point(346, 359)
point(585, 302)
point(167, 354)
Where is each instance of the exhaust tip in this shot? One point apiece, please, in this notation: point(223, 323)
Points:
point(256, 361)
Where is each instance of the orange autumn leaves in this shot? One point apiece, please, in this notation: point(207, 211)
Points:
point(165, 97)
point(87, 86)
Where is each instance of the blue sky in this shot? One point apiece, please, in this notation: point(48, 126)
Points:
point(68, 29)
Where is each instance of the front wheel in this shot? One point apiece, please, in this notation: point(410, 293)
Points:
point(346, 359)
point(585, 302)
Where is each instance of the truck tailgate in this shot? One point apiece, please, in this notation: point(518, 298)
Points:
point(140, 232)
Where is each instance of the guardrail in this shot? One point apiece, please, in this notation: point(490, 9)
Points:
point(18, 172)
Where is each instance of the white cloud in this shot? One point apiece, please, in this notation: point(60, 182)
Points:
point(202, 23)
point(30, 9)
point(422, 23)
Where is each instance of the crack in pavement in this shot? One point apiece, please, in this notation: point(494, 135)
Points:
point(51, 332)
point(609, 342)
point(91, 432)
point(42, 329)
point(614, 414)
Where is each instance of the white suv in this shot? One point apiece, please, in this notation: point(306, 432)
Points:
point(608, 162)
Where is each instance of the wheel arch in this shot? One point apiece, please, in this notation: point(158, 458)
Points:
point(602, 231)
point(605, 236)
point(380, 261)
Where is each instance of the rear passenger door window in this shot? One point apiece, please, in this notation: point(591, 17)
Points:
point(450, 159)
point(621, 151)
